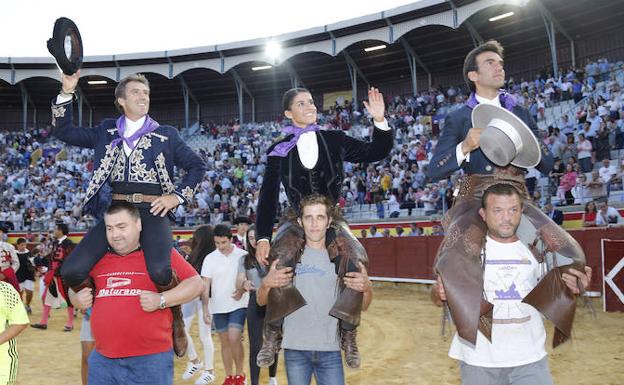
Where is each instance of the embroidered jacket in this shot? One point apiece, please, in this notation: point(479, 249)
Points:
point(152, 161)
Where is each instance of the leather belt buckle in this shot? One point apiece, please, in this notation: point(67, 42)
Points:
point(135, 198)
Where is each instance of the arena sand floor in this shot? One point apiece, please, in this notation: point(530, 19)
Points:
point(399, 340)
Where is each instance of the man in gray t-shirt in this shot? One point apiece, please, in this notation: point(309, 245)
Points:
point(311, 336)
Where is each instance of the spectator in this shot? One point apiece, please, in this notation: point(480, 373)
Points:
point(581, 190)
point(25, 273)
point(584, 149)
point(608, 215)
point(415, 231)
point(566, 183)
point(202, 244)
point(393, 206)
point(14, 320)
point(374, 233)
point(589, 216)
point(607, 174)
point(555, 215)
point(597, 188)
point(222, 272)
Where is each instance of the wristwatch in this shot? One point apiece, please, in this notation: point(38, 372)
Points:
point(163, 303)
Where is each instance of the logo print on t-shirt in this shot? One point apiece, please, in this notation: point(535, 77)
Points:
point(510, 293)
point(308, 269)
point(117, 282)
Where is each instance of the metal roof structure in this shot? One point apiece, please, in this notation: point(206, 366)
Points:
point(425, 43)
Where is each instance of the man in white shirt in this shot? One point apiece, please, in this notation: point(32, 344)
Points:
point(607, 172)
point(224, 276)
point(515, 354)
point(608, 215)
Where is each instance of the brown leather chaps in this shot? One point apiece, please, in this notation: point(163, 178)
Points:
point(287, 247)
point(459, 259)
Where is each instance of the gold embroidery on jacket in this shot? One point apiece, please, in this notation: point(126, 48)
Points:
point(163, 175)
point(119, 170)
point(58, 112)
point(188, 193)
point(138, 169)
point(103, 171)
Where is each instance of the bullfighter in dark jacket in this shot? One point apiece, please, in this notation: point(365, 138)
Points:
point(134, 162)
point(308, 161)
point(459, 260)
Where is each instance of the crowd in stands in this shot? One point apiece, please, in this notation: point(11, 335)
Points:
point(43, 181)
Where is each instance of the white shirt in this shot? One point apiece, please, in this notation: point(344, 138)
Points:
point(222, 271)
point(518, 333)
point(603, 219)
point(131, 128)
point(606, 173)
point(307, 146)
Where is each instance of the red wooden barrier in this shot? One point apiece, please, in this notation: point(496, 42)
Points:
point(413, 257)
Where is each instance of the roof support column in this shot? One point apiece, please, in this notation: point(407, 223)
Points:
point(550, 32)
point(25, 101)
point(354, 71)
point(295, 80)
point(414, 59)
point(556, 25)
point(188, 94)
point(82, 100)
point(474, 35)
point(241, 88)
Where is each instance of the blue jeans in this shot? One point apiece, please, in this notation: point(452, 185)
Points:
point(151, 369)
point(234, 319)
point(326, 367)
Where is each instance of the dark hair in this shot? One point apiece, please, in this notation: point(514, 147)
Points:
point(118, 206)
point(222, 231)
point(120, 90)
point(500, 189)
point(250, 258)
point(587, 207)
point(332, 211)
point(63, 227)
point(289, 95)
point(202, 244)
point(20, 241)
point(470, 62)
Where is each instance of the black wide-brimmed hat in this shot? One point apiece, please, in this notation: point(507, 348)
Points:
point(66, 45)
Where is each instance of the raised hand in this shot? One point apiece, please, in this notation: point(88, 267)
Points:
point(69, 82)
point(375, 105)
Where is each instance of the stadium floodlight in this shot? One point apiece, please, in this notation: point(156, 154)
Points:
point(375, 48)
point(273, 49)
point(503, 16)
point(95, 82)
point(260, 68)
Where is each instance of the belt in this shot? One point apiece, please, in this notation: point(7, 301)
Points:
point(135, 198)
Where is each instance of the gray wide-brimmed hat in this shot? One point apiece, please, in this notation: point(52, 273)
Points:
point(506, 139)
point(66, 45)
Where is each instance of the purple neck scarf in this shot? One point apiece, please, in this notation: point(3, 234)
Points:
point(506, 100)
point(282, 149)
point(148, 126)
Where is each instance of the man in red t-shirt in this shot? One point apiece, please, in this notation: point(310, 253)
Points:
point(130, 321)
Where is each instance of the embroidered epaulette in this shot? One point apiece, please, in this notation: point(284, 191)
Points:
point(161, 137)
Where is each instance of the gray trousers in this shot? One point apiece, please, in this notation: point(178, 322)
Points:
point(536, 373)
